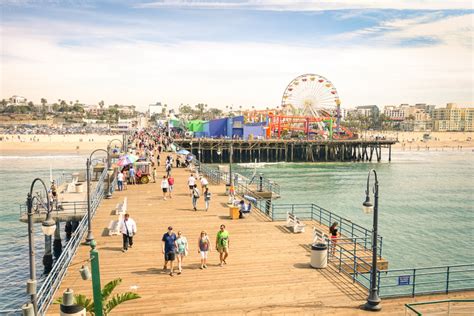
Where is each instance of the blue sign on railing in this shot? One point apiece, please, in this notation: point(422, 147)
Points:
point(404, 280)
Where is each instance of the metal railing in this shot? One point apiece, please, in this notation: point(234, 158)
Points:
point(353, 255)
point(216, 176)
point(52, 282)
point(448, 307)
point(426, 280)
point(347, 228)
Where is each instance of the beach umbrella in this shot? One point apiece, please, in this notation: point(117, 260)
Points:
point(126, 160)
point(183, 152)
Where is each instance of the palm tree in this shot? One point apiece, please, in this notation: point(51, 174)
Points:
point(107, 305)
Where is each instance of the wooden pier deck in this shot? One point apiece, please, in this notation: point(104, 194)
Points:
point(268, 268)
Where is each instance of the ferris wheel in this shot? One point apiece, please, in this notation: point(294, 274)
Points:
point(311, 95)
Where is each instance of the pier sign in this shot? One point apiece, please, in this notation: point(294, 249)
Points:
point(404, 280)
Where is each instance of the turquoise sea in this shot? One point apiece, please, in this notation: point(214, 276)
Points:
point(426, 206)
point(16, 176)
point(426, 201)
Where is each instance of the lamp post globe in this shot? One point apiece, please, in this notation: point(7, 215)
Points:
point(367, 206)
point(49, 225)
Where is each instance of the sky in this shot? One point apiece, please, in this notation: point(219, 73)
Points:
point(236, 52)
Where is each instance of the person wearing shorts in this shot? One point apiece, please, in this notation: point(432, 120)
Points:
point(169, 248)
point(222, 244)
point(164, 186)
point(204, 247)
point(170, 185)
point(191, 184)
point(182, 250)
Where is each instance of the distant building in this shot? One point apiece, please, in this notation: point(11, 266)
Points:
point(17, 100)
point(95, 109)
point(126, 109)
point(409, 117)
point(453, 118)
point(156, 108)
point(371, 111)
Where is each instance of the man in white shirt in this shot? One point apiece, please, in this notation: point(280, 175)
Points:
point(191, 183)
point(204, 183)
point(128, 228)
point(120, 181)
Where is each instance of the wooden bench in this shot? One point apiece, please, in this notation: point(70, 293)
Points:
point(319, 236)
point(121, 208)
point(114, 228)
point(293, 222)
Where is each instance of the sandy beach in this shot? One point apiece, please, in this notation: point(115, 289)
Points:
point(38, 144)
point(85, 143)
point(439, 140)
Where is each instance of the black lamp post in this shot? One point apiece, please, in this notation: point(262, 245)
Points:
point(48, 227)
point(373, 301)
point(90, 237)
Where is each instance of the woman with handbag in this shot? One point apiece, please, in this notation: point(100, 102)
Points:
point(182, 250)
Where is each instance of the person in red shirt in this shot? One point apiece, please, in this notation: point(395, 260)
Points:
point(170, 185)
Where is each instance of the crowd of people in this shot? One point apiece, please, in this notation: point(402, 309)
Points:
point(148, 146)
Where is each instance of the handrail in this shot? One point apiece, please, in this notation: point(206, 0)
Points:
point(314, 212)
point(52, 282)
point(410, 306)
point(349, 259)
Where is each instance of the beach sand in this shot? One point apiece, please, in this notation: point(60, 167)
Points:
point(414, 140)
point(78, 144)
point(81, 144)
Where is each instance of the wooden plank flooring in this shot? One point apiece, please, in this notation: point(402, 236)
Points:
point(268, 268)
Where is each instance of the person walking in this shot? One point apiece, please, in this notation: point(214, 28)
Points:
point(170, 185)
point(169, 248)
point(168, 169)
point(204, 183)
point(182, 250)
point(204, 247)
point(158, 159)
point(191, 184)
point(128, 228)
point(154, 174)
point(164, 186)
point(131, 175)
point(222, 244)
point(120, 181)
point(207, 198)
point(333, 233)
point(195, 197)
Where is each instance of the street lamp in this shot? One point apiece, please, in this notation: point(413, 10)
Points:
point(373, 301)
point(90, 237)
point(48, 227)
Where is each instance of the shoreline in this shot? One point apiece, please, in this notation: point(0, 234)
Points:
point(80, 144)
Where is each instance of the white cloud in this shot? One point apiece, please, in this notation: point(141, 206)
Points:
point(453, 31)
point(228, 73)
point(314, 5)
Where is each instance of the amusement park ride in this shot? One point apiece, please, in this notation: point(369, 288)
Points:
point(310, 106)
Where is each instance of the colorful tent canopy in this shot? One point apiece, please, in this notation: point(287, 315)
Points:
point(196, 126)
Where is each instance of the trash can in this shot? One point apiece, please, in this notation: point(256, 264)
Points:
point(227, 189)
point(234, 212)
point(79, 188)
point(319, 255)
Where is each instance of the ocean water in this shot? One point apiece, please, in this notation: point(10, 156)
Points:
point(16, 175)
point(426, 206)
point(426, 201)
